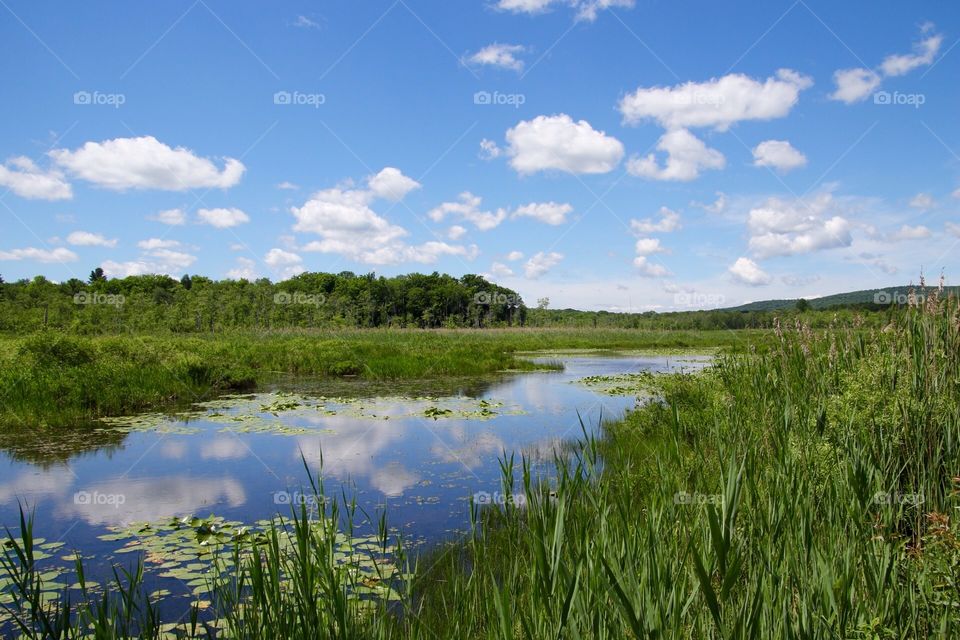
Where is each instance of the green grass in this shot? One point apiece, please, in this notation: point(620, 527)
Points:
point(56, 379)
point(808, 489)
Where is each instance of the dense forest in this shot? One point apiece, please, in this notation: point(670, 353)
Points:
point(196, 304)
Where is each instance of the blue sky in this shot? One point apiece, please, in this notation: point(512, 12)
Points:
point(607, 154)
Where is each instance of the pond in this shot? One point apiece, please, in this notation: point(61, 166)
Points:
point(418, 452)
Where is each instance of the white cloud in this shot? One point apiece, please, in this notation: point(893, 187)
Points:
point(157, 243)
point(40, 255)
point(746, 271)
point(304, 22)
point(585, 9)
point(285, 263)
point(906, 232)
point(922, 201)
point(649, 269)
point(717, 206)
point(854, 85)
point(649, 246)
point(952, 228)
point(546, 212)
point(687, 155)
point(222, 218)
point(924, 53)
point(719, 102)
point(456, 232)
point(22, 176)
point(781, 228)
point(669, 221)
point(778, 154)
point(156, 259)
point(88, 239)
point(489, 150)
point(288, 186)
point(146, 163)
point(245, 270)
point(513, 256)
point(498, 55)
point(348, 226)
point(173, 217)
point(391, 184)
point(501, 270)
point(558, 143)
point(468, 208)
point(541, 263)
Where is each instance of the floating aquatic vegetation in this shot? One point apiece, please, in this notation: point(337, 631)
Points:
point(623, 384)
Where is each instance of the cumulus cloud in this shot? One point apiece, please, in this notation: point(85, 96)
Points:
point(173, 217)
point(498, 55)
point(146, 163)
point(468, 208)
point(513, 256)
point(558, 143)
point(782, 228)
point(501, 270)
point(779, 155)
point(649, 269)
point(88, 239)
point(22, 176)
point(39, 255)
point(746, 271)
point(552, 213)
point(456, 232)
point(687, 156)
point(245, 270)
point(391, 184)
point(586, 10)
point(717, 206)
point(541, 263)
point(649, 246)
point(222, 218)
point(286, 263)
point(158, 258)
point(854, 85)
point(489, 150)
point(952, 228)
point(287, 186)
point(718, 103)
point(344, 219)
point(157, 243)
point(669, 221)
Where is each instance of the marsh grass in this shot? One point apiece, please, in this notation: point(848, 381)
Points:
point(57, 379)
point(806, 490)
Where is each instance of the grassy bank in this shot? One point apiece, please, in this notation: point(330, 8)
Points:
point(52, 378)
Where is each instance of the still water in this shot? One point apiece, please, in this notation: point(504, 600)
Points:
point(418, 451)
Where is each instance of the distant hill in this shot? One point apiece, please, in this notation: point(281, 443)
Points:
point(869, 297)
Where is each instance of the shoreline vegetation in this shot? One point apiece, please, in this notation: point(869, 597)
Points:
point(808, 489)
point(53, 378)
